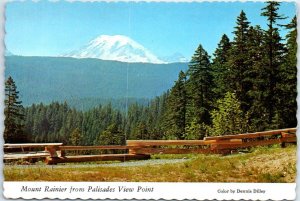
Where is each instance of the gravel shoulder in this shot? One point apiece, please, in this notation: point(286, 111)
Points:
point(140, 163)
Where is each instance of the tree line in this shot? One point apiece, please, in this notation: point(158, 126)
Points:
point(249, 84)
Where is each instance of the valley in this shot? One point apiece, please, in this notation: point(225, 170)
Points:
point(47, 79)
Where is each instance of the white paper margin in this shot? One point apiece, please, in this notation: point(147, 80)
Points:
point(152, 190)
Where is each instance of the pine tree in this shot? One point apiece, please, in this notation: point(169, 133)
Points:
point(199, 91)
point(289, 78)
point(220, 69)
point(76, 137)
point(175, 120)
point(273, 60)
point(237, 62)
point(141, 131)
point(158, 131)
point(14, 114)
point(255, 79)
point(111, 136)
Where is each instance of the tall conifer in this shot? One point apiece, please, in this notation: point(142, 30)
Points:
point(199, 87)
point(175, 122)
point(289, 77)
point(237, 63)
point(14, 114)
point(255, 77)
point(220, 69)
point(273, 61)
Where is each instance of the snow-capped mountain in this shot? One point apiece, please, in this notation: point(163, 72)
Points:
point(117, 48)
point(176, 57)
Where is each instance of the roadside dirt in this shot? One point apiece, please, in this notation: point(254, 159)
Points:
point(280, 164)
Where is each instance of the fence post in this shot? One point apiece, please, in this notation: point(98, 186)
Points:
point(53, 154)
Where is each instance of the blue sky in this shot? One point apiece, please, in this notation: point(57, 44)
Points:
point(50, 29)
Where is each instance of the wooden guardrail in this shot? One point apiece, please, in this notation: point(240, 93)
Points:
point(287, 131)
point(27, 151)
point(142, 149)
point(215, 144)
point(58, 154)
point(177, 146)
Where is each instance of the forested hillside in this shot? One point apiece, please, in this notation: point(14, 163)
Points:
point(248, 84)
point(71, 79)
point(101, 125)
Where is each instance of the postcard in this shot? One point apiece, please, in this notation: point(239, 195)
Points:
point(150, 100)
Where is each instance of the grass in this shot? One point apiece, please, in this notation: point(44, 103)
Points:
point(263, 164)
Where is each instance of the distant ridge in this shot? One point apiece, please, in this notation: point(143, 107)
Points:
point(46, 79)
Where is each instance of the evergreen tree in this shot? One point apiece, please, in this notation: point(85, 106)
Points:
point(255, 79)
point(132, 120)
point(288, 86)
point(141, 132)
point(199, 92)
point(175, 120)
point(76, 137)
point(273, 61)
point(238, 61)
point(14, 114)
point(158, 131)
point(111, 136)
point(220, 69)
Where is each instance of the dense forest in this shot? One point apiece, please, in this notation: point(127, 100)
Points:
point(248, 84)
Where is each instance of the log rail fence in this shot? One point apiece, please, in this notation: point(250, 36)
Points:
point(54, 153)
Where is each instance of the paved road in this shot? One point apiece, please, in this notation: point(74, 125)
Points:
point(116, 164)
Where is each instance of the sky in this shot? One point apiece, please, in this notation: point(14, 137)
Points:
point(52, 28)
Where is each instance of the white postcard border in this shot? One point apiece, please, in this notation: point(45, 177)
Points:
point(149, 190)
point(178, 191)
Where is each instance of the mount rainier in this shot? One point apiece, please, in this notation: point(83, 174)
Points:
point(117, 48)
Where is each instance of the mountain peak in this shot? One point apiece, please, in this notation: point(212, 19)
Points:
point(110, 38)
point(117, 48)
point(175, 58)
